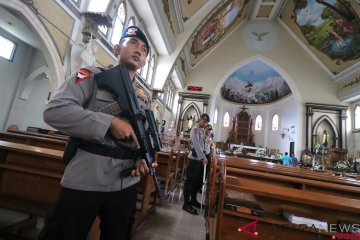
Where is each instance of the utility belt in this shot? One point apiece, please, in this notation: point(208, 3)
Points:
point(98, 149)
point(107, 151)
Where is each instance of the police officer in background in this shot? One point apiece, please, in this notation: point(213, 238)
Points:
point(196, 159)
point(100, 180)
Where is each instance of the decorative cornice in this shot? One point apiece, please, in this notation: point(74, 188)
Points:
point(351, 83)
point(198, 96)
point(325, 106)
point(182, 62)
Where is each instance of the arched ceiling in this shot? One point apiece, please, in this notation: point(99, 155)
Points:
point(328, 30)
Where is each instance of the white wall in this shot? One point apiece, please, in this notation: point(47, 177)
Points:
point(288, 118)
point(29, 112)
point(11, 74)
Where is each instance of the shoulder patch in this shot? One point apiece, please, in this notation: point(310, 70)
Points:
point(141, 91)
point(82, 74)
point(196, 131)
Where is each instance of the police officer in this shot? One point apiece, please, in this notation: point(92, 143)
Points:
point(97, 181)
point(196, 159)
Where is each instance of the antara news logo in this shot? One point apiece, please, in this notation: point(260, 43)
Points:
point(344, 231)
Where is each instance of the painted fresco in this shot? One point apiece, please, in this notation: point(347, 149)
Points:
point(215, 27)
point(255, 83)
point(330, 28)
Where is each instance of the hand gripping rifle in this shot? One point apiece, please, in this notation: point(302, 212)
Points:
point(117, 81)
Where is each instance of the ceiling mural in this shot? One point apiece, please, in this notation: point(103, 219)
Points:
point(227, 16)
point(255, 83)
point(190, 7)
point(331, 29)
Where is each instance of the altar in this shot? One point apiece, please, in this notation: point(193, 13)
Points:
point(241, 132)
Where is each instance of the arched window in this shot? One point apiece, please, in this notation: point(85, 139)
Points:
point(7, 48)
point(119, 24)
point(145, 68)
point(151, 70)
point(226, 119)
point(215, 116)
point(258, 123)
point(357, 117)
point(167, 93)
point(172, 93)
point(275, 123)
point(76, 2)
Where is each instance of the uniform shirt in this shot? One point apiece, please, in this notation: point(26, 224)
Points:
point(197, 137)
point(74, 110)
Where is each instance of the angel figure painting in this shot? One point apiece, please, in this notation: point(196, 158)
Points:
point(255, 83)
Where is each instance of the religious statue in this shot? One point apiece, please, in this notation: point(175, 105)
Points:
point(83, 52)
point(325, 138)
point(191, 120)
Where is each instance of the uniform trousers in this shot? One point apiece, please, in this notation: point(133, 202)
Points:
point(193, 172)
point(75, 211)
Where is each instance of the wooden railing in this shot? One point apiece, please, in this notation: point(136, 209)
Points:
point(43, 141)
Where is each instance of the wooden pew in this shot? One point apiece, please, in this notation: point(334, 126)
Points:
point(164, 171)
point(210, 200)
point(278, 189)
point(44, 142)
point(58, 137)
point(29, 180)
point(285, 172)
point(146, 202)
point(183, 160)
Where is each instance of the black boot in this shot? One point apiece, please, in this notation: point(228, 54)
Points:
point(195, 203)
point(189, 209)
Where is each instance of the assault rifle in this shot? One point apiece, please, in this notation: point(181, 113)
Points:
point(117, 81)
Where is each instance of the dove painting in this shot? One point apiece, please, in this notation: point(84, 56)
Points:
point(259, 35)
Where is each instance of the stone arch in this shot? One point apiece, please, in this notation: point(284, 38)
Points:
point(333, 126)
point(56, 72)
point(38, 74)
point(185, 111)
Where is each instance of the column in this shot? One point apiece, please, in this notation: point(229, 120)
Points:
point(309, 138)
point(177, 117)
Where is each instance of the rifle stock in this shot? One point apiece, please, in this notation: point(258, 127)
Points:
point(117, 81)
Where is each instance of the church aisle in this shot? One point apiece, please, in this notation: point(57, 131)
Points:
point(170, 222)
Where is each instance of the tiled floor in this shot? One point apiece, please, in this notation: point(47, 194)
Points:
point(169, 222)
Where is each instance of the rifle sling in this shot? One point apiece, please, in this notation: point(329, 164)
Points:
point(108, 151)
